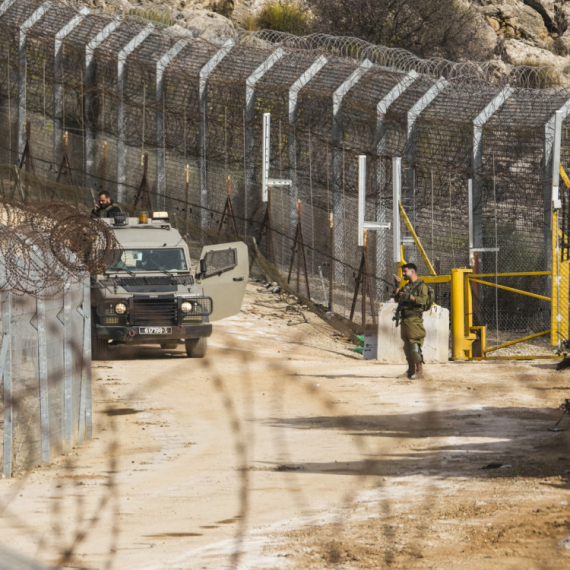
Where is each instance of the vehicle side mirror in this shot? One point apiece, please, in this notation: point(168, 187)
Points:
point(203, 268)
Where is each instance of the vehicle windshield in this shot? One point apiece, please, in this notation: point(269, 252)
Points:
point(162, 259)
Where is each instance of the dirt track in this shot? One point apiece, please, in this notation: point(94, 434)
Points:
point(284, 449)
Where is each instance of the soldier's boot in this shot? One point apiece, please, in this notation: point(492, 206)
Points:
point(409, 373)
point(419, 372)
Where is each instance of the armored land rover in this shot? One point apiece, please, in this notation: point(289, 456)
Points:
point(152, 295)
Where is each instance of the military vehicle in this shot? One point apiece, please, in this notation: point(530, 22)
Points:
point(152, 294)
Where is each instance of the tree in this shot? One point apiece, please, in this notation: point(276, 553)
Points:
point(450, 29)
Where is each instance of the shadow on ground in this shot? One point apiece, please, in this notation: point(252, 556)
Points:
point(489, 442)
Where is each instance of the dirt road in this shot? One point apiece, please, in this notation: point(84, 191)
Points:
point(282, 449)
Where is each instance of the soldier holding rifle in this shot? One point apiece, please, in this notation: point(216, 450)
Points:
point(411, 299)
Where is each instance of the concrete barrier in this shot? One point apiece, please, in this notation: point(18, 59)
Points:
point(390, 348)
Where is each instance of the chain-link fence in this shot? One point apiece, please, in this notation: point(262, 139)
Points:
point(123, 87)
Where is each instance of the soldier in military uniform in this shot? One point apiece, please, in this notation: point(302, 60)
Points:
point(411, 298)
point(106, 208)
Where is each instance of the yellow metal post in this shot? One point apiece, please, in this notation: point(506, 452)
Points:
point(416, 239)
point(461, 338)
point(560, 317)
point(400, 265)
point(554, 321)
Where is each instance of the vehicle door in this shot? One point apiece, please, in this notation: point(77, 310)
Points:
point(223, 274)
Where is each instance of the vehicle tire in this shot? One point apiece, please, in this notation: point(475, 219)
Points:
point(169, 345)
point(196, 347)
point(99, 347)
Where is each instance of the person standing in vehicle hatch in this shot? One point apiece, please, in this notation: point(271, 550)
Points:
point(106, 208)
point(411, 299)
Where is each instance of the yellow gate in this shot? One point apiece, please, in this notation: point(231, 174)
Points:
point(469, 340)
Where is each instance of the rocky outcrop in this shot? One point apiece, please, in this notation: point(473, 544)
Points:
point(530, 32)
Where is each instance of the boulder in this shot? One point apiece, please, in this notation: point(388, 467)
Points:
point(517, 52)
point(547, 11)
point(213, 26)
point(512, 19)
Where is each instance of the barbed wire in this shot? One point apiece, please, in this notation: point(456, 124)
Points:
point(46, 246)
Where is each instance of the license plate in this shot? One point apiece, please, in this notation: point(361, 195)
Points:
point(155, 330)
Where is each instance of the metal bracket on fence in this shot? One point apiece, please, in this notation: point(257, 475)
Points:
point(473, 249)
point(267, 182)
point(34, 321)
point(362, 224)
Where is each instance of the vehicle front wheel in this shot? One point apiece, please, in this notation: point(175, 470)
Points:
point(196, 347)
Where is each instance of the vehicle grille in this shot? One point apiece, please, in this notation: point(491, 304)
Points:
point(154, 312)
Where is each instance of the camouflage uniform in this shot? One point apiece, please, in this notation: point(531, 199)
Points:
point(107, 211)
point(412, 330)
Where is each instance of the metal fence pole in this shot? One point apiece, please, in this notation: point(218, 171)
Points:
point(67, 367)
point(205, 72)
point(294, 90)
point(22, 72)
point(85, 400)
point(411, 143)
point(337, 166)
point(249, 141)
point(478, 123)
point(380, 144)
point(43, 380)
point(121, 80)
point(161, 66)
point(6, 374)
point(91, 116)
point(58, 93)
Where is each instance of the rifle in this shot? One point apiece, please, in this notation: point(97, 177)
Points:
point(397, 315)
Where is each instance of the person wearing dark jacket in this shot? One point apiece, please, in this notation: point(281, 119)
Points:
point(106, 208)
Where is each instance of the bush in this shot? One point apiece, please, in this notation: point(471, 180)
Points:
point(284, 16)
point(152, 14)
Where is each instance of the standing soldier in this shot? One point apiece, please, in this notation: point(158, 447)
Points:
point(411, 300)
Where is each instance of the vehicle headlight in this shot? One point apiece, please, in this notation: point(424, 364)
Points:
point(120, 308)
point(187, 307)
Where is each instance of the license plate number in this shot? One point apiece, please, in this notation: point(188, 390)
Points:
point(155, 330)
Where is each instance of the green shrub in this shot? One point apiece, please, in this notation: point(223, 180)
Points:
point(155, 15)
point(284, 16)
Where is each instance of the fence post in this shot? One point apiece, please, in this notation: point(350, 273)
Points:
point(549, 143)
point(22, 71)
point(411, 140)
point(380, 144)
point(6, 374)
point(43, 378)
point(205, 72)
point(478, 123)
point(67, 367)
point(85, 424)
point(249, 140)
point(58, 92)
point(121, 80)
point(337, 133)
point(317, 65)
point(161, 66)
point(91, 116)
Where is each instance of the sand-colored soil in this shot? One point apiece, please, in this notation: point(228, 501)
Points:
point(282, 449)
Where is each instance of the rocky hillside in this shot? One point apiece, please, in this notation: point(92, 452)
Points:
point(530, 32)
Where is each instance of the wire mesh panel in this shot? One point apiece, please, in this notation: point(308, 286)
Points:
point(199, 119)
point(46, 394)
